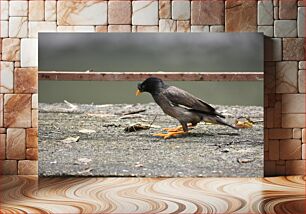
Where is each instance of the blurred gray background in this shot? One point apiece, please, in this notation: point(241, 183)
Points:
point(115, 52)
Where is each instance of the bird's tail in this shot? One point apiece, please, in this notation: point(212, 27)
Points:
point(216, 120)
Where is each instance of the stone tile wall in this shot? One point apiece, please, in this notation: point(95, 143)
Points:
point(282, 21)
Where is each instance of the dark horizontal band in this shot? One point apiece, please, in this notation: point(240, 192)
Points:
point(137, 76)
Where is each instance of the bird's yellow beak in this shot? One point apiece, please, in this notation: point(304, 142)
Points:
point(138, 93)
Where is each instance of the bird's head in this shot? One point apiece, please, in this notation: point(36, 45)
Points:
point(152, 85)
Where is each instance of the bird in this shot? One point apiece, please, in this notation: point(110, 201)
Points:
point(188, 109)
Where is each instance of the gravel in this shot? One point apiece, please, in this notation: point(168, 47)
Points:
point(89, 140)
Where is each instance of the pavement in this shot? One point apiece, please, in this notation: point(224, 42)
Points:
point(90, 140)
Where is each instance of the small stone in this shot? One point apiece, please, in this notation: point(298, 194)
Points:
point(146, 28)
point(8, 167)
point(2, 146)
point(31, 138)
point(26, 80)
point(119, 12)
point(50, 10)
point(180, 10)
point(6, 77)
point(36, 27)
point(34, 101)
point(275, 13)
point(207, 12)
point(18, 8)
point(301, 22)
point(36, 10)
point(301, 81)
point(4, 12)
point(76, 29)
point(71, 139)
point(285, 28)
point(293, 49)
point(15, 145)
point(293, 103)
point(32, 154)
point(34, 118)
point(183, 26)
point(4, 29)
point(101, 28)
point(301, 3)
point(119, 28)
point(287, 9)
point(266, 30)
point(18, 27)
point(239, 16)
point(302, 65)
point(29, 53)
point(134, 27)
point(199, 28)
point(293, 120)
point(304, 135)
point(145, 13)
point(1, 111)
point(290, 149)
point(164, 9)
point(265, 12)
point(17, 110)
point(297, 133)
point(286, 77)
point(167, 25)
point(28, 167)
point(89, 12)
point(279, 133)
point(216, 28)
point(11, 49)
point(17, 64)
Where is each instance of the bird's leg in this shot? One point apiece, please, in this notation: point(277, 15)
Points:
point(178, 128)
point(170, 134)
point(183, 129)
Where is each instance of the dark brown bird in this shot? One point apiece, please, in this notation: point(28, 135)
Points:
point(185, 107)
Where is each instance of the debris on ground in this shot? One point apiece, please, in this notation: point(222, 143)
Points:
point(244, 122)
point(71, 139)
point(138, 127)
point(207, 150)
point(87, 131)
point(245, 160)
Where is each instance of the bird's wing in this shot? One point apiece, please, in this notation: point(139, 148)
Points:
point(178, 96)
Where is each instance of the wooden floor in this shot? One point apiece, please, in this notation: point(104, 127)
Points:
point(138, 195)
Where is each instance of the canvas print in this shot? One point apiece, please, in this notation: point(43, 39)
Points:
point(150, 127)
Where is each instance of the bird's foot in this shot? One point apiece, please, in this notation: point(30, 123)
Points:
point(178, 128)
point(170, 134)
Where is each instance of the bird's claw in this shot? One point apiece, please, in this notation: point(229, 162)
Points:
point(169, 134)
point(176, 129)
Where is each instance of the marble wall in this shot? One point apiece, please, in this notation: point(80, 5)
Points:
point(282, 21)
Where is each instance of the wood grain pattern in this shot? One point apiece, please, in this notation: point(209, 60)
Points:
point(137, 76)
point(139, 195)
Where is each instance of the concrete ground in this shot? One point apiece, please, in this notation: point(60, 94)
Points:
point(90, 140)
